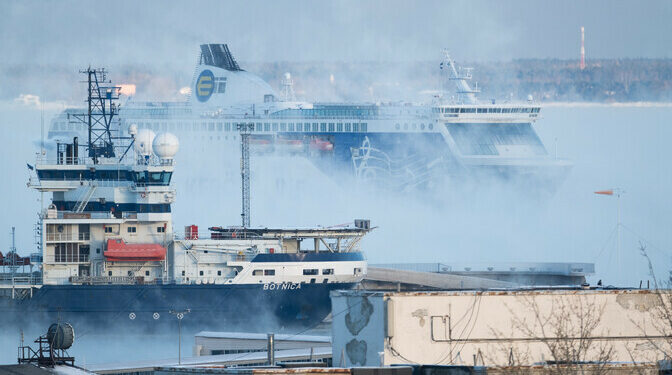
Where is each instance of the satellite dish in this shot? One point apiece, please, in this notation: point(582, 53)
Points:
point(61, 335)
point(133, 129)
point(143, 142)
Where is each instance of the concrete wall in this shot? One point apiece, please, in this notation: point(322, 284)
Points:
point(357, 328)
point(496, 328)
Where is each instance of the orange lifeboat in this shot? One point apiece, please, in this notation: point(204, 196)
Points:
point(321, 145)
point(120, 251)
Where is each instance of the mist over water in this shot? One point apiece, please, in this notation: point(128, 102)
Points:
point(610, 147)
point(376, 53)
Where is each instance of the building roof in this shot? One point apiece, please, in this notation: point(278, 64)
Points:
point(263, 336)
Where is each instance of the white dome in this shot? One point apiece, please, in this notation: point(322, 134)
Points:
point(166, 145)
point(133, 129)
point(143, 142)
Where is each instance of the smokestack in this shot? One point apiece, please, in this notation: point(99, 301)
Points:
point(583, 51)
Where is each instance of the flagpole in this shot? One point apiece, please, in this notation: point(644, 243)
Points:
point(617, 192)
point(618, 230)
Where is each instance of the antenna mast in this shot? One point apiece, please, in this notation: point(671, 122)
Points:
point(245, 130)
point(100, 115)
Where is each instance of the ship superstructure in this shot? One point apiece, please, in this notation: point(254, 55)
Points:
point(109, 249)
point(398, 145)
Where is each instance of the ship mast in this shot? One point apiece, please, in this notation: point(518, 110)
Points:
point(465, 93)
point(245, 130)
point(101, 113)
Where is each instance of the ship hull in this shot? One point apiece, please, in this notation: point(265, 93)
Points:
point(148, 307)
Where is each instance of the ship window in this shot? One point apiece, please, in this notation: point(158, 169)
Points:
point(108, 229)
point(355, 128)
point(219, 126)
point(258, 127)
point(161, 229)
point(131, 229)
point(310, 271)
point(363, 127)
point(397, 126)
point(312, 281)
point(283, 127)
point(328, 271)
point(481, 110)
point(347, 126)
point(275, 126)
point(219, 273)
point(200, 273)
point(314, 126)
point(221, 84)
point(146, 273)
point(323, 127)
point(267, 127)
point(291, 126)
point(269, 272)
point(357, 270)
point(306, 127)
point(257, 272)
point(422, 126)
point(331, 126)
point(430, 126)
point(109, 273)
point(339, 127)
point(203, 126)
point(182, 273)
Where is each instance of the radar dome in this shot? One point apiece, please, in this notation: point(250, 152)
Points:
point(166, 145)
point(143, 142)
point(133, 129)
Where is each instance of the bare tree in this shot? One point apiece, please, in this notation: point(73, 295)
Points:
point(568, 332)
point(658, 332)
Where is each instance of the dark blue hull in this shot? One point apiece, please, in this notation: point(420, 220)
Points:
point(243, 307)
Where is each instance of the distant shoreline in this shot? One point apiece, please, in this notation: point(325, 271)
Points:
point(615, 104)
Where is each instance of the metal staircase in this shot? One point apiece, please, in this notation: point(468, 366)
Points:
point(84, 199)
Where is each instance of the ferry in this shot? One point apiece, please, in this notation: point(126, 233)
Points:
point(109, 252)
point(399, 146)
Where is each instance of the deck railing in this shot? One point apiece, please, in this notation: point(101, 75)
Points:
point(63, 237)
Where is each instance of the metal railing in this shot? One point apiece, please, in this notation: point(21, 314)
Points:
point(71, 258)
point(62, 237)
point(14, 279)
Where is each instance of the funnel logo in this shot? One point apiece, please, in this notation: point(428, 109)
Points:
point(205, 85)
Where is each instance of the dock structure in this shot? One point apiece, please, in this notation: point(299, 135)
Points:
point(443, 276)
point(389, 278)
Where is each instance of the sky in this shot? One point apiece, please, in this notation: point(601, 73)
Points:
point(159, 32)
